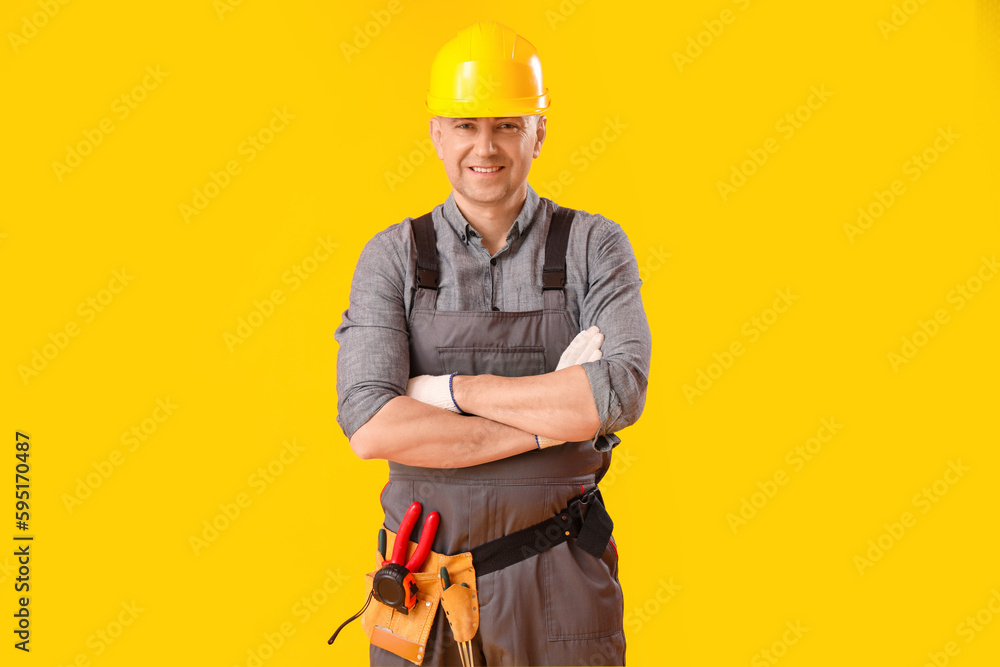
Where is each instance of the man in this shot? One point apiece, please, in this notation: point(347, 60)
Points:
point(489, 352)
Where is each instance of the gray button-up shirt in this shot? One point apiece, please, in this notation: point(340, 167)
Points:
point(602, 288)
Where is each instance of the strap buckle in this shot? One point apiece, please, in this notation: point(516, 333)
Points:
point(582, 503)
point(427, 278)
point(553, 280)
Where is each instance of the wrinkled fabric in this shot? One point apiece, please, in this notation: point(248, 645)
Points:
point(563, 606)
point(602, 288)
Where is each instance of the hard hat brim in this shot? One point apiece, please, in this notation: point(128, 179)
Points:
point(450, 108)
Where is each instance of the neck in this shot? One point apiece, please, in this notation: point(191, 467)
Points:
point(492, 220)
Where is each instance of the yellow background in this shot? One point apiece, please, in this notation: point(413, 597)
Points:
point(680, 470)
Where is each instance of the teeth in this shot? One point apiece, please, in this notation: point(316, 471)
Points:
point(485, 170)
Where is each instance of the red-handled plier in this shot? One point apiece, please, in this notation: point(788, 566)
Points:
point(394, 584)
point(403, 537)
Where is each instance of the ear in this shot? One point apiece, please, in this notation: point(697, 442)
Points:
point(539, 136)
point(435, 132)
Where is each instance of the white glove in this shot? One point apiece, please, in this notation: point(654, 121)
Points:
point(585, 347)
point(544, 442)
point(434, 390)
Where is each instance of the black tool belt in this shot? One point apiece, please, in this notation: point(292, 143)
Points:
point(584, 519)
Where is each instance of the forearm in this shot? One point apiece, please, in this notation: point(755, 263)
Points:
point(416, 434)
point(558, 405)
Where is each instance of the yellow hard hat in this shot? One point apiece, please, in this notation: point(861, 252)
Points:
point(488, 70)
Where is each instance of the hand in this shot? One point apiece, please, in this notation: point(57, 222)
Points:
point(585, 347)
point(434, 390)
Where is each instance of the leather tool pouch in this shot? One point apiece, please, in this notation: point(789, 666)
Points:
point(406, 634)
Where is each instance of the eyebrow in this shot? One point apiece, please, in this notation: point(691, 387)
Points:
point(498, 118)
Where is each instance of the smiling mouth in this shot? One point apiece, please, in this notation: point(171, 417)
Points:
point(485, 170)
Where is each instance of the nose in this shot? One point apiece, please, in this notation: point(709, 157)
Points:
point(484, 143)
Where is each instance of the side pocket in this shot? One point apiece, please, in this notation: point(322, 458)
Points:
point(583, 599)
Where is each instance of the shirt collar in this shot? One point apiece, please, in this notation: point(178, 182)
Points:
point(465, 231)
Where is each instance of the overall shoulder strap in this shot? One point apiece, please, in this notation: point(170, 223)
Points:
point(554, 273)
point(427, 260)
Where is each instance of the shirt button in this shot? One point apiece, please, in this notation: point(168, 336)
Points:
point(495, 308)
point(493, 261)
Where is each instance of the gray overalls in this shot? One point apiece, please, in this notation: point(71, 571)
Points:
point(563, 606)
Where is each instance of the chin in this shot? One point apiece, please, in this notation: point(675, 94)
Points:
point(485, 195)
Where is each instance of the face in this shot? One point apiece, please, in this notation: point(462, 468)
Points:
point(487, 159)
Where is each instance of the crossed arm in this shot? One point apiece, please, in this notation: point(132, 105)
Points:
point(572, 403)
point(507, 412)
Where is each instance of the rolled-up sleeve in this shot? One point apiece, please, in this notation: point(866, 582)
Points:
point(374, 357)
point(614, 303)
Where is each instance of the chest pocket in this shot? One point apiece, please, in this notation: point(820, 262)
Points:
point(505, 360)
